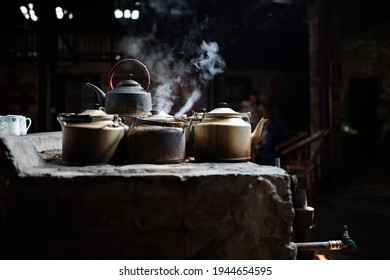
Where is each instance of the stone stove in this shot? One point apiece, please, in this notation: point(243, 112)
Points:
point(138, 211)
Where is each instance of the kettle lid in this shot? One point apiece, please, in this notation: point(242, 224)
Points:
point(128, 83)
point(222, 111)
point(94, 113)
point(160, 118)
point(87, 116)
point(128, 86)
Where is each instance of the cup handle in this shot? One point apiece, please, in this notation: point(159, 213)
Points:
point(28, 123)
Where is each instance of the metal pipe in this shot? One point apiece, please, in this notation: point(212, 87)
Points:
point(330, 245)
point(345, 243)
point(277, 162)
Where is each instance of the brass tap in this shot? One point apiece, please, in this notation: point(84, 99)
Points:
point(345, 243)
point(348, 243)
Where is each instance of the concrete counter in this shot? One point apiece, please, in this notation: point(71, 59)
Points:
point(138, 211)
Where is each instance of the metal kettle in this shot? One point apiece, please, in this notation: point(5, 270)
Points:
point(223, 135)
point(158, 138)
point(92, 137)
point(129, 98)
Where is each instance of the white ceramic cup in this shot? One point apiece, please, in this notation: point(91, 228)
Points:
point(9, 126)
point(24, 122)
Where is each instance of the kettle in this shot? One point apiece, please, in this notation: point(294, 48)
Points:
point(129, 98)
point(158, 138)
point(224, 135)
point(92, 137)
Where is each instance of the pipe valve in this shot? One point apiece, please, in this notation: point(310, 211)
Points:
point(345, 243)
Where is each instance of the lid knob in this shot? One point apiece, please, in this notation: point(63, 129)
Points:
point(222, 105)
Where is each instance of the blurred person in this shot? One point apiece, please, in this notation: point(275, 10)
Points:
point(274, 133)
point(252, 106)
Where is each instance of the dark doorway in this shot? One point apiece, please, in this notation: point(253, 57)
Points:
point(363, 100)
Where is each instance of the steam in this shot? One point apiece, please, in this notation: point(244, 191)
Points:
point(163, 99)
point(195, 96)
point(186, 65)
point(209, 63)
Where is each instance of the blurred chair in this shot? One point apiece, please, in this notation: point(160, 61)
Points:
point(300, 158)
point(294, 138)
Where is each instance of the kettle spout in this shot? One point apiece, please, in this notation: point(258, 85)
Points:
point(101, 95)
point(255, 136)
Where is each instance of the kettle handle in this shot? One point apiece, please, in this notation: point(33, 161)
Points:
point(145, 83)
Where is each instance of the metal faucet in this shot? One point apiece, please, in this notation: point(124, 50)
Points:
point(348, 243)
point(345, 243)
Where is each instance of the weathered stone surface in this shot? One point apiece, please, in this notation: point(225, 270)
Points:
point(139, 211)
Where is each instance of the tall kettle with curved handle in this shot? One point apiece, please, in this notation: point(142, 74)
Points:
point(129, 97)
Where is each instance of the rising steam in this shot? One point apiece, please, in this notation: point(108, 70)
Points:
point(195, 96)
point(171, 72)
point(209, 63)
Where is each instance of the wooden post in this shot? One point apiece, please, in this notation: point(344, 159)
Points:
point(326, 83)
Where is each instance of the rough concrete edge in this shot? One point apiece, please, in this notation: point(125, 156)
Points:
point(23, 151)
point(45, 141)
point(112, 171)
point(283, 197)
point(24, 154)
point(283, 205)
point(21, 154)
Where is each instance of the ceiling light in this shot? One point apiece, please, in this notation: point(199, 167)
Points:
point(59, 13)
point(62, 13)
point(28, 12)
point(135, 14)
point(118, 13)
point(23, 9)
point(127, 14)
